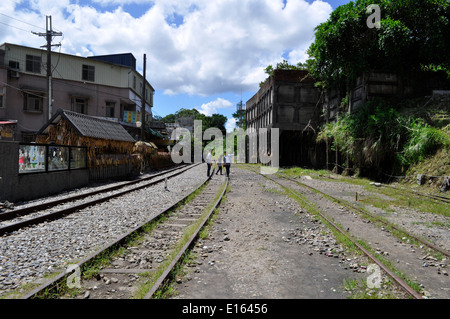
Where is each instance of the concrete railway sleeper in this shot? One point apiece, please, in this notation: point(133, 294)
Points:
point(138, 263)
point(14, 219)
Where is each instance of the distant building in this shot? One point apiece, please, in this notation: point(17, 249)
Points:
point(182, 122)
point(103, 86)
point(289, 101)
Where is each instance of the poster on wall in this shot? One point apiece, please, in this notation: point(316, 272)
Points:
point(7, 130)
point(131, 117)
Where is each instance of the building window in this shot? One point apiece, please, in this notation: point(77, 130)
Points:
point(134, 82)
point(88, 73)
point(110, 107)
point(2, 94)
point(79, 105)
point(33, 102)
point(33, 63)
point(13, 70)
point(14, 65)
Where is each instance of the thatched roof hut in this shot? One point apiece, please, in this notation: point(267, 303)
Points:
point(107, 141)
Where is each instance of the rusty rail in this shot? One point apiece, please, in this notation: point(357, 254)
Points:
point(66, 211)
point(410, 291)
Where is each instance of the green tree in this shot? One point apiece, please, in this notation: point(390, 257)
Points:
point(378, 139)
point(284, 65)
point(241, 118)
point(413, 36)
point(170, 118)
point(215, 120)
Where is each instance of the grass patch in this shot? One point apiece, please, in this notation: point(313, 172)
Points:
point(400, 197)
point(151, 278)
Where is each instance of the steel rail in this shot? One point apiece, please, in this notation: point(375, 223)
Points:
point(432, 196)
point(397, 279)
point(30, 209)
point(51, 283)
point(67, 211)
point(347, 204)
point(186, 246)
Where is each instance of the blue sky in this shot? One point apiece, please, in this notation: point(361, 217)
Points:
point(203, 54)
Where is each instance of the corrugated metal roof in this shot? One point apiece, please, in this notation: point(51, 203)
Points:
point(91, 126)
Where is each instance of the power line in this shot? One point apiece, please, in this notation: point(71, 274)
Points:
point(28, 31)
point(35, 26)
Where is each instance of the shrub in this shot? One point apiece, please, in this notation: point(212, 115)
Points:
point(377, 136)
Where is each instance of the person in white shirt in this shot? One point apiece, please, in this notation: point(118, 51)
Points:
point(227, 163)
point(208, 163)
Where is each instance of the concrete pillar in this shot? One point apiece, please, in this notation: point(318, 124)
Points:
point(9, 168)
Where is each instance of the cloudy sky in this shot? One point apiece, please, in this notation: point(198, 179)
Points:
point(203, 54)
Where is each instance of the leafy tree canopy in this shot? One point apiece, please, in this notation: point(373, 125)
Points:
point(215, 120)
point(284, 65)
point(413, 35)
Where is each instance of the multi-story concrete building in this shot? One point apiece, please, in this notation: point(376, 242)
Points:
point(289, 101)
point(104, 86)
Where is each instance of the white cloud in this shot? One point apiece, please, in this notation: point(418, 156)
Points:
point(296, 56)
point(230, 124)
point(211, 108)
point(221, 46)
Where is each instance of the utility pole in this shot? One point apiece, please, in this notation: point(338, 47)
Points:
point(49, 34)
point(143, 100)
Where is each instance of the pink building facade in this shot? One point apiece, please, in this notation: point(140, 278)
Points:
point(92, 86)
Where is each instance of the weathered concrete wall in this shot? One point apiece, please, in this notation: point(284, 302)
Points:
point(32, 186)
point(289, 101)
point(9, 169)
point(296, 100)
point(383, 84)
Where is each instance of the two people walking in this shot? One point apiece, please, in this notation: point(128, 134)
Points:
point(223, 161)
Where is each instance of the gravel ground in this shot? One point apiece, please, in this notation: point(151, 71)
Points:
point(416, 262)
point(426, 225)
point(264, 245)
point(28, 254)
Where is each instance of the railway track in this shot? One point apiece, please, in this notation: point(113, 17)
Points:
point(151, 259)
point(435, 197)
point(377, 218)
point(13, 220)
point(281, 181)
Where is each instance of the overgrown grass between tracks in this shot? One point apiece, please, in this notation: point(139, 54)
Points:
point(340, 237)
point(150, 279)
point(348, 243)
point(91, 268)
point(380, 222)
point(398, 197)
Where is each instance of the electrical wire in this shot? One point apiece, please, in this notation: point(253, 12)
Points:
point(35, 26)
point(28, 31)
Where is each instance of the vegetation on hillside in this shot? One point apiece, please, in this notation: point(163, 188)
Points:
point(378, 140)
point(413, 36)
point(384, 137)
